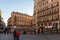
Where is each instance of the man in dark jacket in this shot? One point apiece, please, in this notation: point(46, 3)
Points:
point(14, 34)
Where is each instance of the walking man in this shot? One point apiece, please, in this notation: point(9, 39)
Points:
point(14, 34)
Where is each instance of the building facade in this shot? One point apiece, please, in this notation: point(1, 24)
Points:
point(47, 14)
point(20, 21)
point(2, 24)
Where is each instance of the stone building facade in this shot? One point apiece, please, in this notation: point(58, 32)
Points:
point(2, 24)
point(20, 21)
point(47, 14)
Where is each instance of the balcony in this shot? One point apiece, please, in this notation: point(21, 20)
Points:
point(47, 8)
point(49, 14)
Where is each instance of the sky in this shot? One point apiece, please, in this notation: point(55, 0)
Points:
point(23, 6)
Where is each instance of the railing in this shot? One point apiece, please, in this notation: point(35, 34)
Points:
point(48, 14)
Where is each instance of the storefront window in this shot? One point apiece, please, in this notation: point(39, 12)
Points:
point(50, 24)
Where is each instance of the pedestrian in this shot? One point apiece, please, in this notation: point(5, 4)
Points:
point(24, 32)
point(5, 31)
point(17, 35)
point(14, 34)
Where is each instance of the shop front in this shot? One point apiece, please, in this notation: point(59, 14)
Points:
point(55, 28)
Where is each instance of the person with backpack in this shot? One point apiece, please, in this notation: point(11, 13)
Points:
point(17, 35)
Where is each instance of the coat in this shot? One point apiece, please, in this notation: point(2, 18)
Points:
point(17, 34)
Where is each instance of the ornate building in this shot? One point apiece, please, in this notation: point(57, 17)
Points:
point(47, 14)
point(2, 24)
point(20, 21)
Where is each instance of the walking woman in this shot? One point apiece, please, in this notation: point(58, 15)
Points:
point(17, 35)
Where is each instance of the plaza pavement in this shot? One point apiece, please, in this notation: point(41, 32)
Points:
point(31, 37)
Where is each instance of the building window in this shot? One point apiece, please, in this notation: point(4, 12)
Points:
point(56, 17)
point(43, 13)
point(38, 25)
point(50, 24)
point(45, 24)
point(50, 18)
point(49, 1)
point(43, 0)
point(50, 6)
point(53, 0)
point(15, 19)
point(42, 25)
point(55, 4)
point(53, 11)
point(47, 19)
point(56, 10)
point(49, 12)
point(43, 3)
point(46, 13)
point(43, 9)
point(44, 19)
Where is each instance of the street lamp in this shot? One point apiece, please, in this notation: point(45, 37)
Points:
point(14, 27)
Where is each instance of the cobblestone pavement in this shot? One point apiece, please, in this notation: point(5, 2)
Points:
point(31, 37)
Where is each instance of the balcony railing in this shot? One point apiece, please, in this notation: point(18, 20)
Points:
point(48, 20)
point(48, 14)
point(47, 9)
